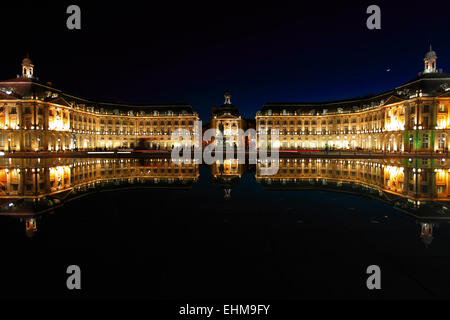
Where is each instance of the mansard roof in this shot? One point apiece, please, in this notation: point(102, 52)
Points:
point(26, 88)
point(429, 84)
point(5, 96)
point(226, 109)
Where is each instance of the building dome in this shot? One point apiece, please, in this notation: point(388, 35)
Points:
point(430, 55)
point(27, 61)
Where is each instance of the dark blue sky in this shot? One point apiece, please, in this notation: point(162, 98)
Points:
point(192, 52)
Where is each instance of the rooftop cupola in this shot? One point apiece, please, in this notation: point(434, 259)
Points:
point(27, 68)
point(430, 61)
point(227, 96)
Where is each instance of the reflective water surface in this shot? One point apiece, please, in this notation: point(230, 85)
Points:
point(183, 230)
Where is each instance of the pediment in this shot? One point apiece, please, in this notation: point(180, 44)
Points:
point(392, 100)
point(61, 101)
point(445, 94)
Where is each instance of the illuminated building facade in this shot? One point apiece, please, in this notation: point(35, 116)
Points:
point(39, 178)
point(419, 187)
point(37, 117)
point(419, 180)
point(227, 174)
point(30, 187)
point(413, 117)
point(228, 120)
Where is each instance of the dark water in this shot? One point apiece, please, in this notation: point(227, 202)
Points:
point(226, 232)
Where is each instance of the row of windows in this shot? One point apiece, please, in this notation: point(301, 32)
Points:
point(338, 130)
point(400, 110)
point(394, 112)
point(307, 122)
point(26, 110)
point(147, 123)
point(64, 114)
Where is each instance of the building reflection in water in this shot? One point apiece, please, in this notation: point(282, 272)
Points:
point(31, 187)
point(227, 174)
point(426, 232)
point(417, 187)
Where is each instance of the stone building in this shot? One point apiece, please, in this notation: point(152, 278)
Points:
point(414, 117)
point(37, 117)
point(228, 120)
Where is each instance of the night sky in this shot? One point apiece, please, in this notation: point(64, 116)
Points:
point(156, 52)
